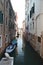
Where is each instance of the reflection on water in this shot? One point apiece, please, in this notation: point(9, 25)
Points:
point(20, 43)
point(19, 59)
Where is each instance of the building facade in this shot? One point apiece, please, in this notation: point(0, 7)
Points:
point(7, 24)
point(35, 31)
point(2, 35)
point(26, 19)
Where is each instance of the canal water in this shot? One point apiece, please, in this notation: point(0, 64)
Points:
point(19, 59)
point(24, 54)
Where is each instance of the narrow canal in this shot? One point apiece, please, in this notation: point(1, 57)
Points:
point(25, 55)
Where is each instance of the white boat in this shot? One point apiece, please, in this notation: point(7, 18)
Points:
point(10, 48)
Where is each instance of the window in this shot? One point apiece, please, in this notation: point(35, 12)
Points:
point(39, 39)
point(27, 27)
point(1, 17)
point(32, 11)
point(0, 41)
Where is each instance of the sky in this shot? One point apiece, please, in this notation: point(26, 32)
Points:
point(19, 7)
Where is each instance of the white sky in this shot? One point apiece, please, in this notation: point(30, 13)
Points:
point(19, 7)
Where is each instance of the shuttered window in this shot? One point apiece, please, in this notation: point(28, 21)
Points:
point(1, 17)
point(39, 39)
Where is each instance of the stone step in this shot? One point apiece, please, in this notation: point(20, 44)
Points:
point(6, 61)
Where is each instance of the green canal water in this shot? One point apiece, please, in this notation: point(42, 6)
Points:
point(26, 55)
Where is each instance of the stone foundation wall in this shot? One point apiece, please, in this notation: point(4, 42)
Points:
point(41, 48)
point(36, 42)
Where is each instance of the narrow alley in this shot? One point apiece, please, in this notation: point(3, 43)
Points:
point(21, 32)
point(25, 55)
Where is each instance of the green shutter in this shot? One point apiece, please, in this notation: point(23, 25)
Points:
point(1, 17)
